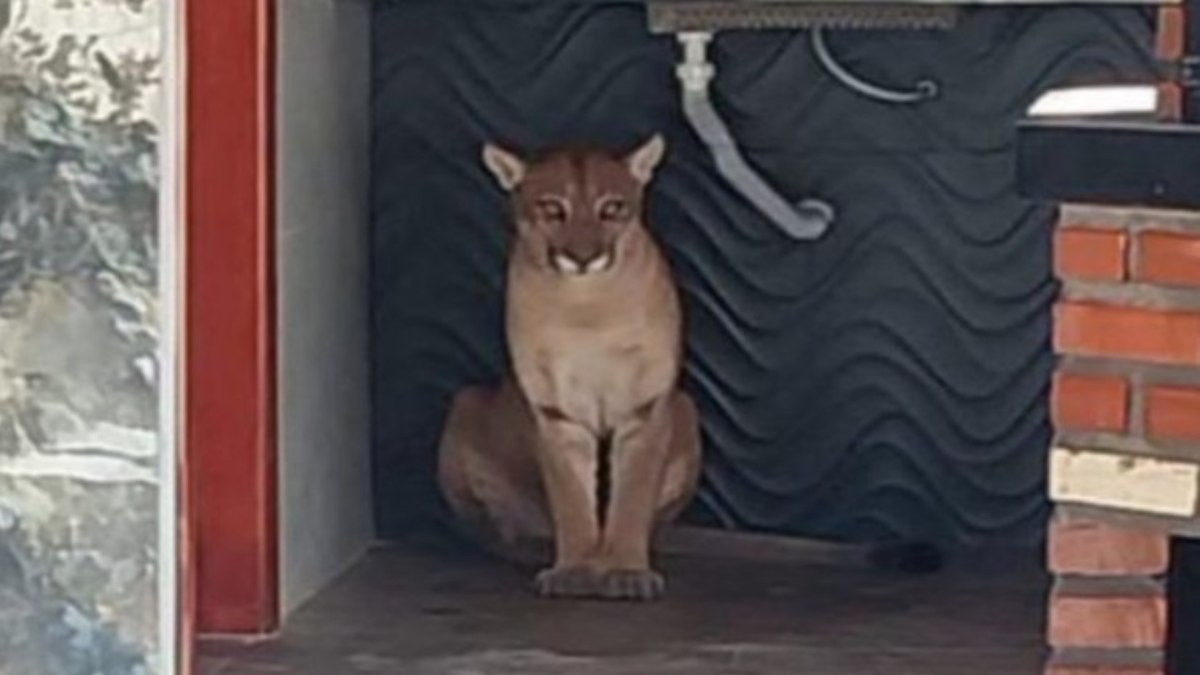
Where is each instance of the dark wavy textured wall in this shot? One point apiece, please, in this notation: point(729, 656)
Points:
point(889, 380)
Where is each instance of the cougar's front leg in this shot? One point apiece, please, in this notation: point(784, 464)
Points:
point(638, 462)
point(567, 454)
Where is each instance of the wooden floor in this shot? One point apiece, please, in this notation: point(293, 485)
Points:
point(422, 611)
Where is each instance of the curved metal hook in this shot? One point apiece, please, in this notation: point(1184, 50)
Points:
point(923, 90)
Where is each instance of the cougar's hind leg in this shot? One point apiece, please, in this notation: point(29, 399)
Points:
point(682, 474)
point(455, 451)
point(515, 494)
point(489, 479)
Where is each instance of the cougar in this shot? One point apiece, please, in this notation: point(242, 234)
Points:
point(590, 445)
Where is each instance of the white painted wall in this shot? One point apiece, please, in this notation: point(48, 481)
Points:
point(324, 70)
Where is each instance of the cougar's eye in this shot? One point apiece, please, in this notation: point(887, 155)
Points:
point(614, 209)
point(551, 210)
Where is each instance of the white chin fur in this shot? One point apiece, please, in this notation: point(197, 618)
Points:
point(599, 264)
point(566, 265)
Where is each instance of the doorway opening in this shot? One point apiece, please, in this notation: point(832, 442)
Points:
point(886, 383)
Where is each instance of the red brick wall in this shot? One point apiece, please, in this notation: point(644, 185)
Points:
point(1127, 328)
point(1128, 324)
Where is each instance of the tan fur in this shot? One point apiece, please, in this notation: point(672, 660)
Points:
point(594, 329)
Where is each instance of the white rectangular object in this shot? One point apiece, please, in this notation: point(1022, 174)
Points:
point(1142, 484)
point(1098, 100)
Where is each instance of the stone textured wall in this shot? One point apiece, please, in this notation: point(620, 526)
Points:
point(79, 291)
point(1126, 404)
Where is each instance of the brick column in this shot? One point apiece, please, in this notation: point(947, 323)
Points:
point(1126, 406)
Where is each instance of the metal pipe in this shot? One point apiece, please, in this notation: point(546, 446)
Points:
point(806, 220)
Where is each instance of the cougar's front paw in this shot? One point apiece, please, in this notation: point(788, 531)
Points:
point(633, 585)
point(569, 582)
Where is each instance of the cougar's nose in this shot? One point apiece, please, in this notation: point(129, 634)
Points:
point(580, 263)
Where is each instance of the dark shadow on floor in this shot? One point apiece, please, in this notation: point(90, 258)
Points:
point(422, 609)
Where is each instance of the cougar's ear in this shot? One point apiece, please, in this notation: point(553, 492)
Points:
point(643, 161)
point(508, 169)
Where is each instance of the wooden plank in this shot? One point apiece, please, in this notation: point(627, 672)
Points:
point(229, 385)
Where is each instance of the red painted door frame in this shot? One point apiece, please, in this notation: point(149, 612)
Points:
point(232, 548)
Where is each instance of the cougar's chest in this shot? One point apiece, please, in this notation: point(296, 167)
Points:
point(596, 362)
